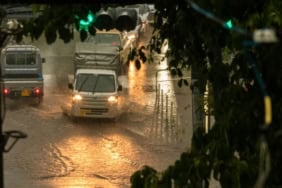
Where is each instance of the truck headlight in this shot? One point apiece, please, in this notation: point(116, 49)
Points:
point(113, 99)
point(132, 37)
point(76, 97)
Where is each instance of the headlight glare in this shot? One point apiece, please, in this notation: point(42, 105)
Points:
point(131, 37)
point(113, 99)
point(77, 97)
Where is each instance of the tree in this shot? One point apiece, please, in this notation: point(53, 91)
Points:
point(231, 149)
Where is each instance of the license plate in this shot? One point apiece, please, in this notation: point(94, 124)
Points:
point(25, 93)
point(84, 112)
point(81, 112)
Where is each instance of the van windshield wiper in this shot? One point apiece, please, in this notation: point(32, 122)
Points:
point(83, 82)
point(94, 88)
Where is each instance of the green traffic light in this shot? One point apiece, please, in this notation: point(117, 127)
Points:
point(90, 17)
point(228, 24)
point(84, 24)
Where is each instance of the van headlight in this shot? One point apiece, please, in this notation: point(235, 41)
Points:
point(113, 99)
point(76, 97)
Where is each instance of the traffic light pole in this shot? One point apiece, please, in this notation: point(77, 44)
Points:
point(2, 142)
point(2, 114)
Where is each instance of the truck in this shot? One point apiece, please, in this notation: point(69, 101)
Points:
point(125, 42)
point(21, 72)
point(94, 85)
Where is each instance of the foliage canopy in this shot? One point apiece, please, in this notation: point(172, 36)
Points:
point(242, 73)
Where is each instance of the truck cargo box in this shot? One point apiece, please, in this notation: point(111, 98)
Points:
point(90, 55)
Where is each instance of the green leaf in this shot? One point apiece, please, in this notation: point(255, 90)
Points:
point(180, 81)
point(186, 82)
point(173, 72)
point(50, 33)
point(83, 35)
point(19, 37)
point(179, 72)
point(137, 64)
point(142, 56)
point(132, 54)
point(65, 34)
point(35, 29)
point(92, 30)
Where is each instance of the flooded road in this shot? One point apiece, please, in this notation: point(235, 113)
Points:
point(59, 152)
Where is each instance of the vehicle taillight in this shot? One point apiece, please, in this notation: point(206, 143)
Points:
point(37, 91)
point(6, 91)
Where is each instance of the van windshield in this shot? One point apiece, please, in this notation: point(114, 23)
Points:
point(95, 83)
point(21, 58)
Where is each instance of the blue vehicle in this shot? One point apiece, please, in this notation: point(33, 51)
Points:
point(21, 70)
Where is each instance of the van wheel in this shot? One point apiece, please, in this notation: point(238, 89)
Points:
point(115, 119)
point(39, 100)
point(74, 119)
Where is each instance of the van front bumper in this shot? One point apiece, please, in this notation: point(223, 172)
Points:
point(109, 111)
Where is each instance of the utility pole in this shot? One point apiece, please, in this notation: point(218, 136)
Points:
point(3, 37)
point(2, 142)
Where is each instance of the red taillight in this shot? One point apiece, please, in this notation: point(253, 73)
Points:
point(37, 91)
point(6, 91)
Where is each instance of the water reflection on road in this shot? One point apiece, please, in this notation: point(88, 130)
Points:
point(104, 159)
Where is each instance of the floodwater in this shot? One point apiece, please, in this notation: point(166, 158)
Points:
point(154, 129)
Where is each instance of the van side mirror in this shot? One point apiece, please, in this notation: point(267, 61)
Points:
point(120, 48)
point(70, 81)
point(70, 85)
point(119, 88)
point(43, 60)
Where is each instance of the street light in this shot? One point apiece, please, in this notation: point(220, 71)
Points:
point(12, 26)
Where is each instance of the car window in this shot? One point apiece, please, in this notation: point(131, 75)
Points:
point(21, 59)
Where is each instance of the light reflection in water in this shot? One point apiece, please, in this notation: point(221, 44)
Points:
point(112, 153)
point(163, 79)
point(107, 157)
point(136, 81)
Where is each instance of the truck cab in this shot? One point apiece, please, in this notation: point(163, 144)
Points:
point(21, 70)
